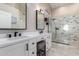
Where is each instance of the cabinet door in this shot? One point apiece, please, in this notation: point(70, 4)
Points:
point(32, 47)
point(48, 42)
point(14, 50)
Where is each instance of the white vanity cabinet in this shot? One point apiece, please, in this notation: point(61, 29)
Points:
point(27, 47)
point(19, 49)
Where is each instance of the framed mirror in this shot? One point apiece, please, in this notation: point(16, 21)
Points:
point(39, 20)
point(13, 16)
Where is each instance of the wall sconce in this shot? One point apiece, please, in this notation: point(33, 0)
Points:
point(47, 23)
point(46, 20)
point(41, 10)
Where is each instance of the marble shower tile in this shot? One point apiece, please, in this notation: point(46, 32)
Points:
point(73, 28)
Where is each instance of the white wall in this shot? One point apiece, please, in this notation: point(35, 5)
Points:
point(31, 14)
point(67, 10)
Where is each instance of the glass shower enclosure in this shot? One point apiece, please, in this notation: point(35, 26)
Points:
point(64, 29)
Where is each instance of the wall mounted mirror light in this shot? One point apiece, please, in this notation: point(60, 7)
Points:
point(13, 16)
point(39, 20)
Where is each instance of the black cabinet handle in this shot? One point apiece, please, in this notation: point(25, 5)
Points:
point(27, 47)
point(42, 38)
point(32, 52)
point(32, 43)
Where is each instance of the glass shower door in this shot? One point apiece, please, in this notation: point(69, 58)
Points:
point(57, 27)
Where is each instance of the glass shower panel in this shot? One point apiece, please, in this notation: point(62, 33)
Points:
point(65, 29)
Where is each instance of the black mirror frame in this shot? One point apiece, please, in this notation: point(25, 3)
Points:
point(25, 22)
point(37, 21)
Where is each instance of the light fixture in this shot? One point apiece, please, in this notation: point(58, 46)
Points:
point(41, 11)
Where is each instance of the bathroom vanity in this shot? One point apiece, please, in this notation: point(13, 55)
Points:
point(23, 46)
point(15, 18)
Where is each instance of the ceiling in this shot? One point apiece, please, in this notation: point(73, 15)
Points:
point(57, 5)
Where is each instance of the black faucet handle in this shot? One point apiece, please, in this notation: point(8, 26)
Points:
point(9, 35)
point(19, 34)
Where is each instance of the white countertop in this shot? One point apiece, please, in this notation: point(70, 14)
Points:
point(4, 42)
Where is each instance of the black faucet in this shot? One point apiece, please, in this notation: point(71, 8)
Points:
point(15, 34)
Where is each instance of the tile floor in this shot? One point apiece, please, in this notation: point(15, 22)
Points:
point(64, 50)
